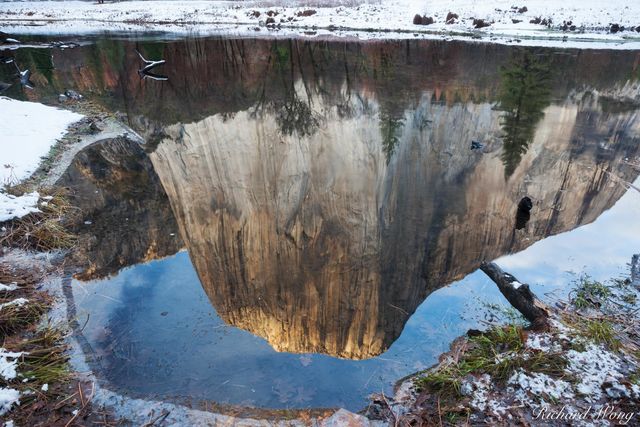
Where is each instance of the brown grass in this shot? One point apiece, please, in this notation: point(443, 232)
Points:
point(44, 359)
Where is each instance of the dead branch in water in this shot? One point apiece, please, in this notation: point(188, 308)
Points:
point(519, 296)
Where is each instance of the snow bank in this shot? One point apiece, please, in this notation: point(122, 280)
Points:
point(27, 132)
point(585, 23)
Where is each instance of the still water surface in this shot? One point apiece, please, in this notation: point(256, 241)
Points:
point(304, 223)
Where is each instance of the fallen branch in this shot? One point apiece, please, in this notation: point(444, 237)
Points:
point(519, 296)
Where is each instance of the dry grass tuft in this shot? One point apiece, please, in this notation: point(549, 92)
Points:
point(43, 378)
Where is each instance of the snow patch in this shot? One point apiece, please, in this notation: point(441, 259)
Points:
point(8, 367)
point(8, 397)
point(12, 207)
point(594, 367)
point(8, 288)
point(543, 342)
point(540, 385)
point(18, 301)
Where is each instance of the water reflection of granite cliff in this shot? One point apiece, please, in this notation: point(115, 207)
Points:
point(318, 244)
point(324, 190)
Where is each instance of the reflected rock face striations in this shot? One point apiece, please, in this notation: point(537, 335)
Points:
point(325, 243)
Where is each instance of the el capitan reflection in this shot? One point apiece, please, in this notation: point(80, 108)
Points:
point(323, 214)
point(324, 190)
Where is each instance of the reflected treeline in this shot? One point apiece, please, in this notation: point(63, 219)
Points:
point(222, 76)
point(525, 93)
point(325, 188)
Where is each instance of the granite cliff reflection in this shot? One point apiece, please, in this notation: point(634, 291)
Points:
point(324, 234)
point(325, 189)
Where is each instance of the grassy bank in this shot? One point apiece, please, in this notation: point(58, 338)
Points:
point(585, 368)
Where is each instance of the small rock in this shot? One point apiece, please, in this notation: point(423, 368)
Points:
point(271, 21)
point(523, 9)
point(451, 18)
point(516, 21)
point(567, 25)
point(638, 29)
point(62, 98)
point(535, 20)
point(614, 28)
point(94, 127)
point(480, 23)
point(255, 14)
point(272, 13)
point(344, 418)
point(307, 12)
point(423, 20)
point(73, 95)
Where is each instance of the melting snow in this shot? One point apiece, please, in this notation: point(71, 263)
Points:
point(8, 288)
point(17, 206)
point(8, 397)
point(27, 132)
point(594, 367)
point(18, 301)
point(541, 385)
point(543, 342)
point(8, 367)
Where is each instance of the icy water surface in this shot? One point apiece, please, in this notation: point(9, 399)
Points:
point(304, 223)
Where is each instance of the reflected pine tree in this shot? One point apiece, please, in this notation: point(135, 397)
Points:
point(525, 93)
point(293, 114)
point(390, 127)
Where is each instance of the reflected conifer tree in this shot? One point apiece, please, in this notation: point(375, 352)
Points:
point(390, 127)
point(525, 93)
point(293, 114)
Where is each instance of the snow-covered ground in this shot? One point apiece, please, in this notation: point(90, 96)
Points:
point(27, 132)
point(584, 23)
